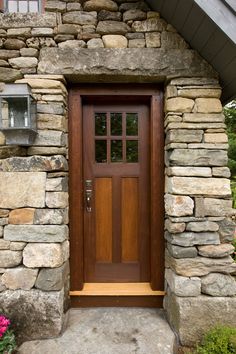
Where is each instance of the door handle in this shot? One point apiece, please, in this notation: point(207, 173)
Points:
point(88, 195)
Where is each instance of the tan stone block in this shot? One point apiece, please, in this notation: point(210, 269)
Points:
point(200, 92)
point(22, 216)
point(97, 5)
point(171, 91)
point(10, 259)
point(174, 227)
point(57, 199)
point(207, 105)
point(115, 41)
point(153, 39)
point(217, 138)
point(19, 278)
point(39, 83)
point(189, 171)
point(179, 104)
point(178, 205)
point(51, 121)
point(17, 246)
point(53, 98)
point(4, 245)
point(203, 118)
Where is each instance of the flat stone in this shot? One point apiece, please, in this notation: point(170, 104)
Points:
point(4, 245)
point(9, 259)
point(135, 35)
point(42, 32)
point(45, 83)
point(29, 52)
point(200, 92)
point(186, 125)
point(55, 6)
point(8, 151)
point(114, 41)
point(109, 15)
point(9, 75)
point(49, 138)
point(14, 43)
point(202, 226)
point(34, 164)
point(198, 186)
point(67, 29)
point(6, 54)
point(174, 227)
point(172, 40)
point(134, 15)
point(199, 266)
point(178, 205)
point(73, 6)
point(149, 25)
point(188, 239)
point(72, 43)
point(52, 279)
point(29, 19)
point(133, 5)
point(208, 146)
point(184, 136)
point(51, 121)
point(183, 286)
point(53, 98)
point(216, 251)
point(21, 216)
point(216, 284)
point(112, 27)
point(57, 184)
point(137, 43)
point(179, 104)
point(4, 63)
point(208, 105)
point(80, 18)
point(227, 230)
point(192, 317)
point(190, 171)
point(203, 118)
point(153, 39)
point(182, 252)
point(19, 278)
point(20, 190)
point(41, 150)
point(219, 138)
point(23, 62)
point(202, 157)
point(51, 216)
point(221, 172)
point(52, 108)
point(19, 32)
point(57, 199)
point(40, 305)
point(50, 255)
point(36, 233)
point(95, 43)
point(17, 246)
point(97, 5)
point(213, 207)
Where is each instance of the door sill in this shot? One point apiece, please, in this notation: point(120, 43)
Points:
point(117, 289)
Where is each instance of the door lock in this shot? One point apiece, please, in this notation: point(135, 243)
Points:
point(88, 195)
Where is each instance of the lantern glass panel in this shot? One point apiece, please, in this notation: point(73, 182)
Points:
point(15, 112)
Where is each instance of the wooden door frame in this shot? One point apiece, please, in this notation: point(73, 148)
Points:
point(154, 96)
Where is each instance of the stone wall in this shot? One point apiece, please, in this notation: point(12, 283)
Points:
point(111, 41)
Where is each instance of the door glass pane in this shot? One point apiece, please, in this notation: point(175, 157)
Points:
point(131, 124)
point(23, 6)
point(132, 150)
point(100, 124)
point(33, 6)
point(101, 150)
point(116, 123)
point(12, 6)
point(116, 151)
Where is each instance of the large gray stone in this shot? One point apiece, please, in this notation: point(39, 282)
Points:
point(6, 54)
point(183, 286)
point(35, 314)
point(36, 233)
point(216, 284)
point(11, 20)
point(80, 18)
point(57, 199)
point(178, 205)
point(19, 190)
point(184, 136)
point(97, 5)
point(49, 138)
point(150, 25)
point(50, 216)
point(19, 278)
point(52, 279)
point(112, 27)
point(227, 230)
point(216, 251)
point(188, 239)
point(192, 317)
point(212, 207)
point(189, 171)
point(181, 252)
point(203, 118)
point(148, 64)
point(23, 62)
point(14, 43)
point(9, 75)
point(52, 108)
point(203, 157)
point(10, 259)
point(202, 226)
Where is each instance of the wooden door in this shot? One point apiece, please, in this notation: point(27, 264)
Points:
point(116, 192)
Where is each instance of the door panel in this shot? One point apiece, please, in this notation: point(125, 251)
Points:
point(116, 168)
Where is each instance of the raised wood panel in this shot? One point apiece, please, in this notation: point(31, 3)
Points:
point(103, 209)
point(129, 207)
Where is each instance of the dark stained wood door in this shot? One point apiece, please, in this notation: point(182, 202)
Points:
point(116, 192)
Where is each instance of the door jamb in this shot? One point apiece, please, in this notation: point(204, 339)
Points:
point(154, 96)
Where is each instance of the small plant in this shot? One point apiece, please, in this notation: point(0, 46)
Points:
point(7, 337)
point(219, 340)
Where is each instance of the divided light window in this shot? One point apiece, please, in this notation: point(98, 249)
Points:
point(23, 6)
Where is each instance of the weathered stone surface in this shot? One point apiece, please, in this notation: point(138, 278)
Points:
point(221, 172)
point(2, 287)
point(181, 252)
point(36, 233)
point(188, 239)
point(29, 309)
point(198, 185)
point(208, 105)
point(114, 41)
point(51, 121)
point(174, 227)
point(53, 98)
point(178, 205)
point(73, 6)
point(133, 15)
point(10, 20)
point(8, 151)
point(51, 216)
point(9, 259)
point(51, 255)
point(189, 171)
point(19, 32)
point(73, 43)
point(17, 246)
point(42, 32)
point(29, 52)
point(227, 230)
point(97, 5)
point(67, 29)
point(200, 92)
point(80, 18)
point(153, 39)
point(199, 266)
point(9, 75)
point(150, 25)
point(55, 6)
point(186, 125)
point(4, 63)
point(52, 108)
point(112, 27)
point(44, 83)
point(49, 138)
point(193, 316)
point(7, 54)
point(179, 104)
point(183, 286)
point(63, 37)
point(184, 136)
point(213, 207)
point(216, 251)
point(22, 216)
point(57, 184)
point(95, 43)
point(216, 284)
point(14, 43)
point(52, 279)
point(202, 226)
point(34, 164)
point(57, 199)
point(131, 5)
point(134, 35)
point(3, 221)
point(19, 190)
point(172, 40)
point(203, 118)
point(218, 138)
point(109, 15)
point(19, 278)
point(137, 43)
point(199, 157)
point(150, 64)
point(43, 150)
point(4, 245)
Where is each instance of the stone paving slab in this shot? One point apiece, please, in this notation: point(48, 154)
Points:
point(109, 331)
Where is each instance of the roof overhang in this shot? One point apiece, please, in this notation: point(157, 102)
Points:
point(209, 26)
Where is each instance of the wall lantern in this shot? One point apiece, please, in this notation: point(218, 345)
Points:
point(18, 114)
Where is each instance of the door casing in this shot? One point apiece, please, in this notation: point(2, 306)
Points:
point(152, 95)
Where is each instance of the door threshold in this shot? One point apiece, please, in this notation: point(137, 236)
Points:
point(117, 289)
